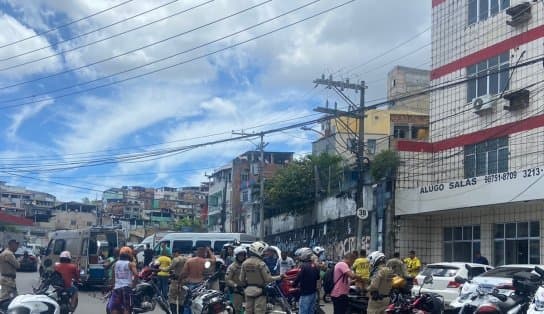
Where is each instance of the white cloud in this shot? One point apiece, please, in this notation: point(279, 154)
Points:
point(26, 112)
point(12, 29)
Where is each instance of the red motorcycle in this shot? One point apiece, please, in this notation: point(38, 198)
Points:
point(423, 303)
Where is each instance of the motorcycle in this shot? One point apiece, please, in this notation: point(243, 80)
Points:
point(422, 303)
point(537, 305)
point(203, 300)
point(42, 301)
point(357, 301)
point(146, 295)
point(525, 287)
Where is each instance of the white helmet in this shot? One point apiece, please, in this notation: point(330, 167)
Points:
point(65, 254)
point(257, 248)
point(318, 250)
point(375, 257)
point(305, 254)
point(298, 252)
point(239, 250)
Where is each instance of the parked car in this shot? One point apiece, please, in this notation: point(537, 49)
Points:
point(444, 275)
point(499, 278)
point(28, 262)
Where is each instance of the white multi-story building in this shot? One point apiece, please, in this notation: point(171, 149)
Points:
point(477, 184)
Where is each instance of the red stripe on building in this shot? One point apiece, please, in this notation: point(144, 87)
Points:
point(472, 138)
point(14, 220)
point(491, 51)
point(437, 2)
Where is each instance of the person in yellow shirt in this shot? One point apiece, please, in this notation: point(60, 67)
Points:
point(163, 275)
point(413, 264)
point(361, 267)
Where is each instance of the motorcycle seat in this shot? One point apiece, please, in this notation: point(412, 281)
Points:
point(509, 303)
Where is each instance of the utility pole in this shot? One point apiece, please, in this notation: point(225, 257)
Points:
point(261, 147)
point(359, 114)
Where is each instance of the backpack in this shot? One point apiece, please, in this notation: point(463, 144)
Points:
point(328, 280)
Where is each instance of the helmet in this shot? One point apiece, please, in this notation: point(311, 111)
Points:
point(257, 248)
point(298, 252)
point(305, 254)
point(65, 254)
point(375, 257)
point(318, 250)
point(239, 250)
point(125, 250)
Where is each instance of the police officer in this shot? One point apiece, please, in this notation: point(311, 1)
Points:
point(380, 283)
point(397, 266)
point(176, 294)
point(8, 270)
point(232, 279)
point(255, 275)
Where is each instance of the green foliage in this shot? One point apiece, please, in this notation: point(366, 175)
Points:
point(293, 188)
point(187, 222)
point(384, 164)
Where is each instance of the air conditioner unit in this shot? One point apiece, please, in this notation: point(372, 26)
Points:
point(483, 103)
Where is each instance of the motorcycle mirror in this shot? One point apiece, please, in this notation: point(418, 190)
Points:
point(428, 279)
point(207, 265)
point(539, 270)
point(459, 279)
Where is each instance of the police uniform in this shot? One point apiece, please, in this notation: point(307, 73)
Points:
point(8, 270)
point(232, 280)
point(176, 294)
point(379, 290)
point(254, 276)
point(398, 267)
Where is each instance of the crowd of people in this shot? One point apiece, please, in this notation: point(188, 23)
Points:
point(249, 270)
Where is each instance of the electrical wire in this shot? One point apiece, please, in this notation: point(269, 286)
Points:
point(173, 65)
point(65, 25)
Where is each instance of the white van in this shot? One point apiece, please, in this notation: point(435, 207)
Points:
point(187, 242)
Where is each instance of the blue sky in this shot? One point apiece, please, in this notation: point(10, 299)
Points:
point(49, 137)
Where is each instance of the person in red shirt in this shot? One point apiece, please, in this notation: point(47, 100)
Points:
point(70, 274)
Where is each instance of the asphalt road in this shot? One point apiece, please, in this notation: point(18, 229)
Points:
point(90, 302)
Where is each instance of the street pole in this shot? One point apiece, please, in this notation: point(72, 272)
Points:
point(261, 179)
point(360, 158)
point(359, 114)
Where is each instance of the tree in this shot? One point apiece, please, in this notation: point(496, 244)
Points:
point(293, 188)
point(384, 164)
point(85, 200)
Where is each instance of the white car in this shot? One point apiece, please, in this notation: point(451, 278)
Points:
point(444, 282)
point(499, 278)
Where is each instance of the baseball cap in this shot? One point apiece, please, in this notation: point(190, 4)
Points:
point(13, 241)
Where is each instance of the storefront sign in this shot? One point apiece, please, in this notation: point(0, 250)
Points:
point(512, 186)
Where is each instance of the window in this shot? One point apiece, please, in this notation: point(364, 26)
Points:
point(245, 196)
point(72, 222)
point(245, 176)
point(486, 157)
point(371, 146)
point(218, 246)
point(481, 10)
point(517, 243)
point(460, 243)
point(59, 246)
point(184, 247)
point(401, 131)
point(490, 76)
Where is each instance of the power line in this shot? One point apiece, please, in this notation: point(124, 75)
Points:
point(91, 32)
point(178, 63)
point(65, 25)
point(101, 40)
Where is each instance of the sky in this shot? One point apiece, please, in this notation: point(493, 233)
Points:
point(100, 94)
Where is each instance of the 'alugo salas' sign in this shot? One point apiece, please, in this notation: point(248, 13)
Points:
point(517, 185)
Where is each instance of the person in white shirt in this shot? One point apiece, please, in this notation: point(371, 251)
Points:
point(285, 263)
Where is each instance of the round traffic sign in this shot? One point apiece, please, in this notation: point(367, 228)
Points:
point(362, 213)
